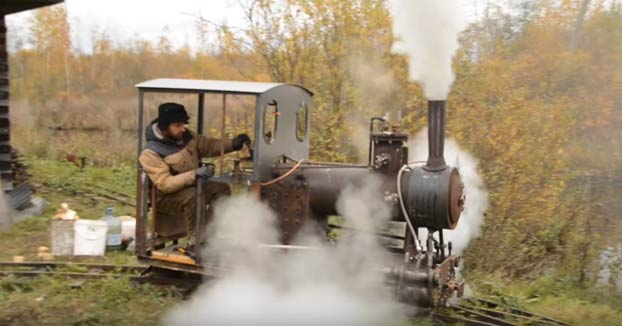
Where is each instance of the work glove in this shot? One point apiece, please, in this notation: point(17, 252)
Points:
point(205, 172)
point(239, 141)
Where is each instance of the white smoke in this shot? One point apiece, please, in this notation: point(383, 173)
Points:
point(328, 285)
point(476, 202)
point(429, 35)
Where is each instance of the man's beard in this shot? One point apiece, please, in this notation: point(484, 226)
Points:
point(177, 137)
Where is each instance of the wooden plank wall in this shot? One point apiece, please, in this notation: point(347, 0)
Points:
point(5, 145)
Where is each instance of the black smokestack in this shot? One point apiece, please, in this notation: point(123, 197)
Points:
point(436, 135)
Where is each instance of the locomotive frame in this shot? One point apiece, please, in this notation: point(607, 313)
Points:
point(302, 192)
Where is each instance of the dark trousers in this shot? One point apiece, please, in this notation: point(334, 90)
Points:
point(183, 204)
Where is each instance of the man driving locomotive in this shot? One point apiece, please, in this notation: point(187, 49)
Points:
point(171, 159)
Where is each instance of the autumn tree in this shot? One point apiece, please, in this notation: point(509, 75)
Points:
point(536, 100)
point(341, 50)
point(52, 41)
point(532, 109)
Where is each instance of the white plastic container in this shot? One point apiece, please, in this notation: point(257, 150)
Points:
point(90, 237)
point(128, 229)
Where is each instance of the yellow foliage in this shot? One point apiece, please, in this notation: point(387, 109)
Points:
point(523, 102)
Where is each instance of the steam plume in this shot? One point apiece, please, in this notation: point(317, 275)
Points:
point(429, 33)
point(327, 285)
point(476, 203)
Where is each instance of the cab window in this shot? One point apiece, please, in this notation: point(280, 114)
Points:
point(270, 122)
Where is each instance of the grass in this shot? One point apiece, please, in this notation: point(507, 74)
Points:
point(64, 181)
point(60, 182)
point(554, 297)
point(56, 301)
point(53, 301)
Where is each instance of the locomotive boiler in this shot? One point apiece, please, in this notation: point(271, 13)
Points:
point(423, 195)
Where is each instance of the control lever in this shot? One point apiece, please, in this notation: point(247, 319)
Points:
point(199, 200)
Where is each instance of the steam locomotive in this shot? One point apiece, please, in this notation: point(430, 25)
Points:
point(423, 196)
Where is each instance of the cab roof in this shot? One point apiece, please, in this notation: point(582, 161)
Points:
point(12, 6)
point(211, 86)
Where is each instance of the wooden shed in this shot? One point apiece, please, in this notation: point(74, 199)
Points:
point(6, 8)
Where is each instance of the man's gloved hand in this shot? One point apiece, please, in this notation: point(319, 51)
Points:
point(205, 172)
point(239, 141)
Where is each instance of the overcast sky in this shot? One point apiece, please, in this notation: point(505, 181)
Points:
point(149, 19)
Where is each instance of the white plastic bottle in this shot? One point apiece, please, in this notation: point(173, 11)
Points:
point(113, 237)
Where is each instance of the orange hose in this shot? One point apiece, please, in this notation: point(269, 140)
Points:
point(287, 174)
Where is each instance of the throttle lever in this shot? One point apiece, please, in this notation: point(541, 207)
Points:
point(199, 202)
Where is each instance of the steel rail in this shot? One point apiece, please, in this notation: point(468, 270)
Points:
point(514, 310)
point(92, 192)
point(471, 312)
point(440, 319)
point(68, 269)
point(53, 265)
point(68, 274)
point(135, 273)
point(481, 312)
point(525, 317)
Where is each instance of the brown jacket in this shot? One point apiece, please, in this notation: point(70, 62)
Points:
point(170, 165)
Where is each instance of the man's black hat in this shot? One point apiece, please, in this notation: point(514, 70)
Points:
point(171, 112)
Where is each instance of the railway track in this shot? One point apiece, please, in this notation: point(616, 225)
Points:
point(92, 191)
point(470, 312)
point(70, 269)
point(187, 282)
point(482, 312)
